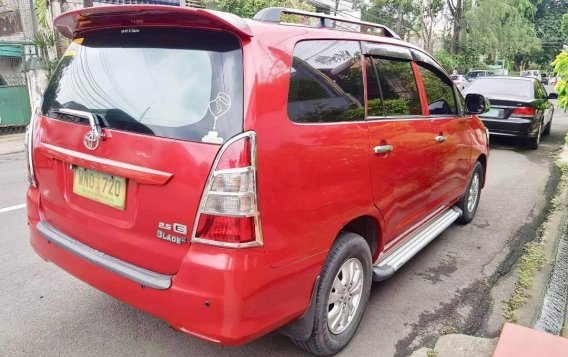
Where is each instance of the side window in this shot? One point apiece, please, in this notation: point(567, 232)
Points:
point(391, 84)
point(439, 91)
point(326, 83)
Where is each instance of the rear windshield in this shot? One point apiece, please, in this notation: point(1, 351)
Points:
point(179, 84)
point(502, 87)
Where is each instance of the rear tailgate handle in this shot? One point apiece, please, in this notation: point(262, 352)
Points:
point(440, 138)
point(382, 149)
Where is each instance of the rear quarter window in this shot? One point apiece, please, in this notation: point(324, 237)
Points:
point(326, 82)
point(178, 84)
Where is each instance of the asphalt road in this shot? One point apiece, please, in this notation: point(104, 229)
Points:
point(456, 283)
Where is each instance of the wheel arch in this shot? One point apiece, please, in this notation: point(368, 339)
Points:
point(367, 227)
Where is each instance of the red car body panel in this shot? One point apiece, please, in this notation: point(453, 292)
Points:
point(312, 181)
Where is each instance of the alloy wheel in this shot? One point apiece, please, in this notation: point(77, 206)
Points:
point(345, 296)
point(473, 193)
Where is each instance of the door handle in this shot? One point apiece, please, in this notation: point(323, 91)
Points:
point(440, 138)
point(383, 149)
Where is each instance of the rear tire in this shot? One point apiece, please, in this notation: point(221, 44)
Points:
point(470, 200)
point(533, 143)
point(547, 129)
point(342, 295)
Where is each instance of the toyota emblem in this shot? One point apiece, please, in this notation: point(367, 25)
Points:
point(91, 140)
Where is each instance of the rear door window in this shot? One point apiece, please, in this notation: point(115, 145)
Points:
point(326, 82)
point(178, 84)
point(392, 89)
point(439, 91)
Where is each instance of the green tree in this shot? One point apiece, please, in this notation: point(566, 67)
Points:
point(561, 68)
point(547, 20)
point(498, 29)
point(248, 8)
point(429, 15)
point(565, 25)
point(400, 15)
point(456, 16)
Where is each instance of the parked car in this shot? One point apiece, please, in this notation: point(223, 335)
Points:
point(460, 80)
point(472, 75)
point(233, 176)
point(533, 73)
point(520, 107)
point(544, 79)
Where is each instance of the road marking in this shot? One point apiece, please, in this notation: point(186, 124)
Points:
point(12, 208)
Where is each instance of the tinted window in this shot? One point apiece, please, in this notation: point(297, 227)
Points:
point(502, 87)
point(397, 91)
point(439, 91)
point(170, 83)
point(326, 83)
point(540, 91)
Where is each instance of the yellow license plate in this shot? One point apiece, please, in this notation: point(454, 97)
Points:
point(97, 186)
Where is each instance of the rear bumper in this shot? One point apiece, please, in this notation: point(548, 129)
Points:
point(517, 127)
point(228, 296)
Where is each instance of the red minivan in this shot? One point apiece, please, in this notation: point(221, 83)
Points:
point(233, 177)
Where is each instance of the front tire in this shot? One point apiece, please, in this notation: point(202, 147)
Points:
point(470, 200)
point(342, 295)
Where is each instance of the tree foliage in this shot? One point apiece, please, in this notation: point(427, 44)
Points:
point(499, 29)
point(399, 15)
point(248, 8)
point(561, 69)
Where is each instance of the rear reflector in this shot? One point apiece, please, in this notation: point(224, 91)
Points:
point(233, 230)
point(228, 213)
point(523, 112)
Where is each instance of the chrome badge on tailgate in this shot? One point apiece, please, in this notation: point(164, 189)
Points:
point(175, 233)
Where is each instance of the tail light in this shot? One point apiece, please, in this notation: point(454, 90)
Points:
point(28, 141)
point(228, 213)
point(523, 112)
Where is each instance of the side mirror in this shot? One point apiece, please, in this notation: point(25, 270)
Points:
point(553, 96)
point(476, 104)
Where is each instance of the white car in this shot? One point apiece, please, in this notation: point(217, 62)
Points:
point(460, 80)
point(533, 73)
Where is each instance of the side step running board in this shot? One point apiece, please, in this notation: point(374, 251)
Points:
point(393, 260)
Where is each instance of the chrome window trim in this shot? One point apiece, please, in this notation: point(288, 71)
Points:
point(256, 214)
point(29, 146)
point(398, 118)
point(127, 270)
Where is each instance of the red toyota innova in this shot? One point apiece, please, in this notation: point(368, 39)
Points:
point(233, 177)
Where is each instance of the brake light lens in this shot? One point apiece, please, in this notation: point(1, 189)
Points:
point(228, 213)
point(28, 144)
point(523, 112)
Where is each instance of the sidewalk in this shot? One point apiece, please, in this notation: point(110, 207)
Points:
point(515, 341)
point(11, 143)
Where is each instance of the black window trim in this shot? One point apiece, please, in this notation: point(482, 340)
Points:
point(433, 63)
point(367, 54)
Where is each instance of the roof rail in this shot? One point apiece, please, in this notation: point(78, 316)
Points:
point(273, 14)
